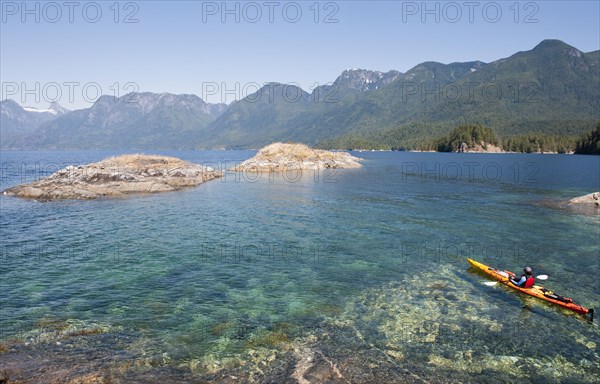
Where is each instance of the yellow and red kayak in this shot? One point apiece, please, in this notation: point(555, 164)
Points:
point(535, 291)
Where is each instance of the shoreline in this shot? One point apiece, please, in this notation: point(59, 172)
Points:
point(258, 149)
point(500, 153)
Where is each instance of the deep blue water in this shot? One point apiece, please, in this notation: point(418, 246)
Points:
point(202, 270)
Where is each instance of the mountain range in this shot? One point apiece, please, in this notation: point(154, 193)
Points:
point(552, 89)
point(17, 122)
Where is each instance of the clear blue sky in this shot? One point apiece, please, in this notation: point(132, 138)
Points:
point(185, 47)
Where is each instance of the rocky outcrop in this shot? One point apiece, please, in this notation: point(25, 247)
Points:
point(592, 199)
point(117, 176)
point(279, 157)
point(479, 148)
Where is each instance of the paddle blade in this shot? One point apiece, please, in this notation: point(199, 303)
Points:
point(490, 283)
point(542, 277)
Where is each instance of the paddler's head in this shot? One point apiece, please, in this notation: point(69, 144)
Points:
point(527, 270)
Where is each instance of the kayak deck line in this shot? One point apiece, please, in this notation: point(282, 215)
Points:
point(536, 291)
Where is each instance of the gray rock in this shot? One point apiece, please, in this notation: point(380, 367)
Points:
point(590, 199)
point(118, 176)
point(280, 157)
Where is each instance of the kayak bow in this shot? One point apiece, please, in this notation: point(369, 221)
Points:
point(535, 291)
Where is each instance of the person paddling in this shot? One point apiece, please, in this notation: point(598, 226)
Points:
point(526, 280)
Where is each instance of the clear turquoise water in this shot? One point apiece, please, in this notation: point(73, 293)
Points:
point(205, 270)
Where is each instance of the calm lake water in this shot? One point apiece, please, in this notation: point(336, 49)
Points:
point(364, 261)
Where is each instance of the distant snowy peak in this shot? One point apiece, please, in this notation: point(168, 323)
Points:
point(35, 110)
point(54, 109)
point(17, 120)
point(365, 80)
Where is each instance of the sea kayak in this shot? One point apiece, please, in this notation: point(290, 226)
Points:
point(535, 291)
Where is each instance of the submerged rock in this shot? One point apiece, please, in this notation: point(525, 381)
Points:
point(117, 176)
point(4, 377)
point(279, 157)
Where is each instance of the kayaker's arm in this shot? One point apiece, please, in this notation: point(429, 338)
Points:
point(520, 282)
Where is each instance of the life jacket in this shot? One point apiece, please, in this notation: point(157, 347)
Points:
point(529, 282)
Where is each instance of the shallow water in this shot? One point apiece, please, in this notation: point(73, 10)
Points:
point(369, 261)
